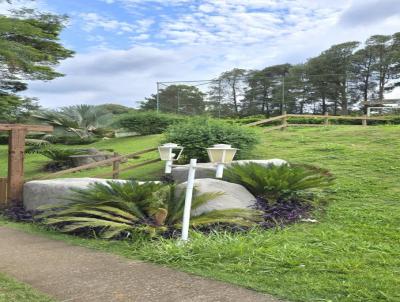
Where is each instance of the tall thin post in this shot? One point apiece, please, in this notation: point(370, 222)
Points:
point(116, 163)
point(188, 199)
point(326, 120)
point(283, 94)
point(158, 97)
point(219, 99)
point(284, 120)
point(364, 120)
point(16, 150)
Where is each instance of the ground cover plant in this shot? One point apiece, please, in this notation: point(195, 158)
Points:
point(349, 252)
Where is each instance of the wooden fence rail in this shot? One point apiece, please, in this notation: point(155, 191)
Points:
point(114, 161)
point(284, 120)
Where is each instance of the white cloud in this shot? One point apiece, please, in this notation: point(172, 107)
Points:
point(94, 20)
point(205, 40)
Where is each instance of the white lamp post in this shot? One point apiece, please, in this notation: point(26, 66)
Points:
point(167, 154)
point(221, 154)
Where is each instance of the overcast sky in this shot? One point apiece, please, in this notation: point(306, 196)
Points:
point(123, 47)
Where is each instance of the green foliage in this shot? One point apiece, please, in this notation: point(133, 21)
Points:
point(278, 183)
point(82, 121)
point(60, 157)
point(197, 134)
point(148, 122)
point(181, 99)
point(125, 209)
point(29, 50)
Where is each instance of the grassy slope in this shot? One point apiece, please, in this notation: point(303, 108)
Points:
point(35, 162)
point(13, 291)
point(352, 254)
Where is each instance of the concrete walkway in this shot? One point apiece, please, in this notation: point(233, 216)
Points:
point(72, 273)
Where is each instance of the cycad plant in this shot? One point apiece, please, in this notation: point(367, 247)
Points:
point(117, 209)
point(278, 183)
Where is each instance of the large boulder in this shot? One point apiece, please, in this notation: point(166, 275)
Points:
point(233, 196)
point(207, 170)
point(55, 191)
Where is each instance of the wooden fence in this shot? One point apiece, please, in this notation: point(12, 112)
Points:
point(115, 162)
point(284, 120)
point(3, 192)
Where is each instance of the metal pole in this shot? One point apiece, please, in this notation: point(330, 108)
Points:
point(188, 199)
point(219, 99)
point(158, 97)
point(283, 93)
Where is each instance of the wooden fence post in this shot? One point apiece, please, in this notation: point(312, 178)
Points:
point(16, 149)
point(364, 121)
point(326, 120)
point(3, 192)
point(284, 120)
point(116, 163)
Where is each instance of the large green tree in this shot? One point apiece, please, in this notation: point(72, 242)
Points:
point(181, 99)
point(30, 49)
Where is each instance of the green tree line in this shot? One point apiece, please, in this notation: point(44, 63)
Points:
point(339, 80)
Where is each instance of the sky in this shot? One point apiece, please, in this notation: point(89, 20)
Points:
point(123, 47)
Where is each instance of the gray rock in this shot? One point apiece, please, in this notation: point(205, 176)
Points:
point(233, 196)
point(54, 191)
point(207, 170)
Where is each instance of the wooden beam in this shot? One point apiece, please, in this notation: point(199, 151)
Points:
point(34, 128)
point(16, 150)
point(275, 118)
point(147, 162)
point(97, 164)
point(338, 117)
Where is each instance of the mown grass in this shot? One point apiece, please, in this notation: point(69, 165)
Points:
point(351, 254)
point(13, 291)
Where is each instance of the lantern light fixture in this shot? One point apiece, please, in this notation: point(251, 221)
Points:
point(221, 154)
point(168, 153)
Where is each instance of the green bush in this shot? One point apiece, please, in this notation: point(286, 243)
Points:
point(128, 209)
point(145, 123)
point(278, 184)
point(197, 134)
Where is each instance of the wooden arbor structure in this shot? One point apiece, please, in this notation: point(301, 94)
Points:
point(16, 152)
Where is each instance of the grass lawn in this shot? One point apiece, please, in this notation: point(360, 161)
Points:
point(13, 291)
point(351, 254)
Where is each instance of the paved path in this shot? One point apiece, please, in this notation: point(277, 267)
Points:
point(72, 273)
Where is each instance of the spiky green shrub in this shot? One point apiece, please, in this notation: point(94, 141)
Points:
point(197, 134)
point(278, 183)
point(117, 209)
point(60, 158)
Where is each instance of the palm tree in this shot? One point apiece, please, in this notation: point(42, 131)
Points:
point(81, 120)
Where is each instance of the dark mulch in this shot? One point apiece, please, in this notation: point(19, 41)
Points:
point(282, 213)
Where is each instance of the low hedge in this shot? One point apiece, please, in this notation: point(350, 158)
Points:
point(146, 123)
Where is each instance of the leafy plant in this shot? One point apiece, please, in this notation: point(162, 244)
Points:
point(150, 122)
point(197, 134)
point(60, 158)
point(116, 209)
point(278, 183)
point(81, 120)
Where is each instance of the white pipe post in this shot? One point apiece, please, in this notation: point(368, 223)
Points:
point(168, 167)
point(220, 167)
point(188, 199)
point(220, 171)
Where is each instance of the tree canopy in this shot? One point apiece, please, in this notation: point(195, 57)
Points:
point(30, 49)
